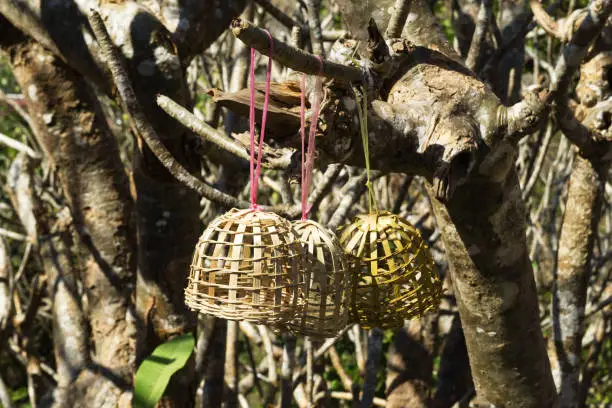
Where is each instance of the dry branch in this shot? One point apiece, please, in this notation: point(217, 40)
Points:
point(398, 18)
point(272, 158)
point(292, 57)
point(121, 77)
point(277, 13)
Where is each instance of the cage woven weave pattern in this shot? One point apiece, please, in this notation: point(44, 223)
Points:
point(247, 265)
point(394, 274)
point(327, 291)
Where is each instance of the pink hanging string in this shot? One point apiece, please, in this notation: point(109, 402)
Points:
point(255, 170)
point(308, 158)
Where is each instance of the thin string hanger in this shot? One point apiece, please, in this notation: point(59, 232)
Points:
point(255, 169)
point(361, 96)
point(308, 157)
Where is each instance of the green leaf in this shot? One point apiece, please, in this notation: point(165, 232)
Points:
point(19, 394)
point(155, 371)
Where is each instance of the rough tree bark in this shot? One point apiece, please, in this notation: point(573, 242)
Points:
point(86, 157)
point(582, 209)
point(587, 126)
point(495, 289)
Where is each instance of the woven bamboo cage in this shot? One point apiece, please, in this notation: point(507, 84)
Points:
point(247, 265)
point(395, 277)
point(328, 283)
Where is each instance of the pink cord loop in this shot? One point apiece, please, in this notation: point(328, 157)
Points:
point(255, 169)
point(309, 156)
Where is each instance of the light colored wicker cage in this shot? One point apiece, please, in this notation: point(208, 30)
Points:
point(247, 265)
point(327, 292)
point(395, 277)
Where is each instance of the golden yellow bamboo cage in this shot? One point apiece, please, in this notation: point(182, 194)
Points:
point(395, 277)
point(327, 291)
point(247, 265)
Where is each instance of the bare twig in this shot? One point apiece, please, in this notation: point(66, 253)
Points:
point(401, 194)
point(17, 145)
point(253, 367)
point(280, 160)
point(337, 364)
point(314, 22)
point(354, 192)
point(263, 332)
point(6, 290)
point(355, 337)
point(24, 261)
point(323, 187)
point(230, 396)
point(544, 20)
point(19, 110)
point(277, 13)
point(292, 57)
point(535, 173)
point(13, 235)
point(287, 368)
point(485, 15)
point(525, 116)
point(347, 396)
point(122, 80)
point(372, 363)
point(5, 395)
point(309, 373)
point(333, 35)
point(398, 18)
point(318, 354)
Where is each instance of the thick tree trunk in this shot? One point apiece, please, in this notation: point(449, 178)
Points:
point(86, 156)
point(582, 211)
point(483, 228)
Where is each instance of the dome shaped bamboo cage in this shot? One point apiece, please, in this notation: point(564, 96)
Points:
point(327, 292)
point(394, 274)
point(247, 265)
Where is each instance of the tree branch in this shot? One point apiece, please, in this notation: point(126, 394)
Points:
point(372, 364)
point(17, 145)
point(577, 48)
point(485, 15)
point(292, 57)
point(398, 18)
point(278, 14)
point(272, 158)
point(525, 116)
point(314, 22)
point(544, 20)
point(128, 96)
